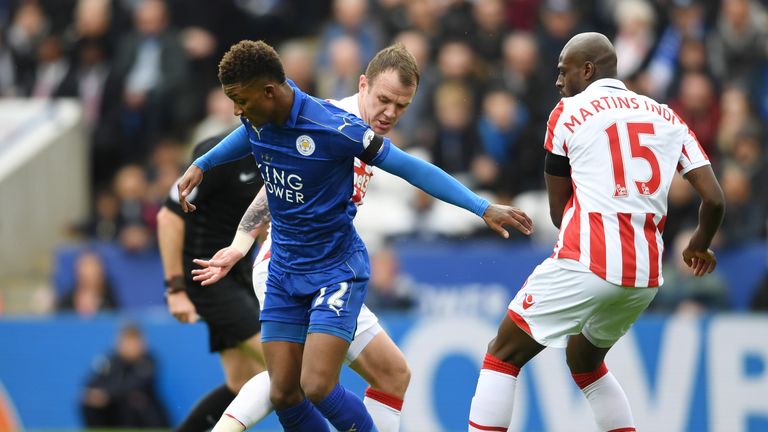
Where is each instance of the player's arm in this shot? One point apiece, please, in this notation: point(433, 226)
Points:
point(254, 221)
point(170, 235)
point(697, 255)
point(557, 175)
point(234, 146)
point(440, 185)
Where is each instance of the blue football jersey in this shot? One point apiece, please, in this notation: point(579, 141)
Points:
point(307, 167)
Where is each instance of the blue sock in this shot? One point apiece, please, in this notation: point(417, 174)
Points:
point(303, 417)
point(345, 411)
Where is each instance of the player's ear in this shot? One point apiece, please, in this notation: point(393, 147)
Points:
point(362, 83)
point(269, 90)
point(589, 70)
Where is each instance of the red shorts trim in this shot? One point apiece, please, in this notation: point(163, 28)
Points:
point(520, 321)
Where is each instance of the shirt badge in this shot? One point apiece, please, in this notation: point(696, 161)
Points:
point(305, 145)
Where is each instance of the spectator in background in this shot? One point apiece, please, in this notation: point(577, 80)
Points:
point(489, 29)
point(424, 16)
point(121, 388)
point(735, 116)
point(388, 289)
point(7, 70)
point(686, 21)
point(148, 74)
point(522, 74)
point(749, 154)
point(92, 292)
point(299, 65)
point(350, 19)
point(682, 209)
point(696, 103)
point(340, 77)
point(737, 47)
point(85, 80)
point(136, 212)
point(104, 222)
point(412, 125)
point(746, 218)
point(453, 148)
point(28, 28)
point(635, 36)
point(218, 119)
point(684, 293)
point(52, 67)
point(502, 128)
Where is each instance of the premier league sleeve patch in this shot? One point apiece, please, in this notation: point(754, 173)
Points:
point(372, 144)
point(305, 145)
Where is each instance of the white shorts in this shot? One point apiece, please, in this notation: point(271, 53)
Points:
point(563, 298)
point(367, 322)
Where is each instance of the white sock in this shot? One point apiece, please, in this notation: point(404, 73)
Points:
point(228, 424)
point(250, 406)
point(607, 399)
point(384, 410)
point(491, 408)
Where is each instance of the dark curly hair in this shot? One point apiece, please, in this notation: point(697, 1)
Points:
point(248, 60)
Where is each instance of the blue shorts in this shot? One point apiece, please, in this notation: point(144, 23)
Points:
point(327, 301)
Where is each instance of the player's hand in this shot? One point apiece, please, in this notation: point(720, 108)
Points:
point(498, 216)
point(217, 267)
point(181, 307)
point(191, 178)
point(701, 261)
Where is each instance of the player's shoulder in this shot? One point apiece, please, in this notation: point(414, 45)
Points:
point(333, 119)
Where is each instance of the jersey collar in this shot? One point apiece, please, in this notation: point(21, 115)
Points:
point(298, 100)
point(609, 82)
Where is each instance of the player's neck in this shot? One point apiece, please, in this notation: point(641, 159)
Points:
point(284, 104)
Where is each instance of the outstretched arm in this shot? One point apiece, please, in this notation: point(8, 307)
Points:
point(440, 185)
point(697, 255)
point(233, 147)
point(253, 222)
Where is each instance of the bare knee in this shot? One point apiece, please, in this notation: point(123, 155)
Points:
point(316, 387)
point(284, 398)
point(582, 356)
point(392, 380)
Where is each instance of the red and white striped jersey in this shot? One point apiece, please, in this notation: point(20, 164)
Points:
point(623, 149)
point(363, 174)
point(363, 171)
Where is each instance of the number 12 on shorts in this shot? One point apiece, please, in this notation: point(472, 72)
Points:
point(335, 301)
point(636, 150)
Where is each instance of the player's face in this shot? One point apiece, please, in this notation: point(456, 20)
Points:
point(384, 100)
point(255, 101)
point(570, 77)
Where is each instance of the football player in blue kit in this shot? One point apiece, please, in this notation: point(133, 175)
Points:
point(304, 149)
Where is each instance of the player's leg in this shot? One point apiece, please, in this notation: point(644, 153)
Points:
point(284, 331)
point(243, 362)
point(333, 319)
point(250, 406)
point(284, 361)
point(605, 396)
point(252, 402)
point(586, 352)
point(510, 350)
point(543, 313)
point(377, 359)
point(231, 313)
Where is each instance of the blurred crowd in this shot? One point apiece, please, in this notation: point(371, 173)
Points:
point(145, 72)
